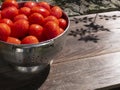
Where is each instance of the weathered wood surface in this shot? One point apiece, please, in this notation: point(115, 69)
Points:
point(85, 74)
point(104, 37)
point(90, 59)
point(89, 64)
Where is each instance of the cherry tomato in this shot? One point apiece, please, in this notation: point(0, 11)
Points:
point(20, 28)
point(61, 30)
point(20, 16)
point(9, 3)
point(51, 29)
point(36, 18)
point(30, 4)
point(36, 30)
point(25, 10)
point(13, 40)
point(51, 18)
point(56, 11)
point(9, 12)
point(7, 21)
point(29, 40)
point(40, 10)
point(9, 0)
point(0, 16)
point(4, 31)
point(30, 22)
point(44, 5)
point(43, 36)
point(62, 23)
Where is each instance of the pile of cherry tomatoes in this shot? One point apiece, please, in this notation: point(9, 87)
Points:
point(30, 22)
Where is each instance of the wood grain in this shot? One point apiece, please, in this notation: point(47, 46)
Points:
point(88, 64)
point(85, 74)
point(108, 37)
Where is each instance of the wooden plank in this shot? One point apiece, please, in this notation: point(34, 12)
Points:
point(103, 37)
point(85, 74)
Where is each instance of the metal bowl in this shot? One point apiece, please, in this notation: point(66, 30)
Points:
point(33, 57)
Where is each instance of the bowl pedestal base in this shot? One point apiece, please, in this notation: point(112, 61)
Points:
point(32, 69)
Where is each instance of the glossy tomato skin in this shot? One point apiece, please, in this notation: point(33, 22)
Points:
point(44, 5)
point(62, 23)
point(30, 22)
point(7, 21)
point(36, 18)
point(52, 29)
point(0, 16)
point(30, 4)
point(20, 16)
point(56, 11)
point(30, 40)
point(43, 37)
point(51, 18)
point(5, 31)
point(9, 12)
point(13, 40)
point(25, 10)
point(20, 28)
point(9, 0)
point(61, 30)
point(9, 3)
point(36, 30)
point(40, 10)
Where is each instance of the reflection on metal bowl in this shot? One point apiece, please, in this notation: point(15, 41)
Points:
point(33, 57)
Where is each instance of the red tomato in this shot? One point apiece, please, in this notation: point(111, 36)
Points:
point(20, 16)
point(7, 21)
point(61, 30)
point(43, 37)
point(29, 40)
point(9, 0)
point(0, 16)
point(4, 31)
point(51, 18)
point(62, 23)
point(9, 12)
point(13, 40)
point(44, 5)
point(20, 28)
point(36, 30)
point(56, 11)
point(30, 4)
point(51, 29)
point(31, 22)
point(36, 18)
point(9, 3)
point(40, 10)
point(25, 10)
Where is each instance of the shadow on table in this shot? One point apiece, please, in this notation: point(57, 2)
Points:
point(36, 81)
point(13, 80)
point(90, 29)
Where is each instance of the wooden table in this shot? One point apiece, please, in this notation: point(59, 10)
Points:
point(90, 59)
